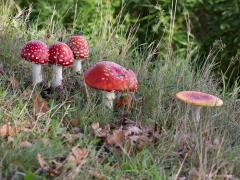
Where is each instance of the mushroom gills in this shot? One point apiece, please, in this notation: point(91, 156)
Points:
point(36, 73)
point(57, 76)
point(108, 99)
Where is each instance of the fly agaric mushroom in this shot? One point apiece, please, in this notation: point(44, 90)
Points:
point(36, 52)
point(60, 55)
point(110, 77)
point(79, 47)
point(198, 100)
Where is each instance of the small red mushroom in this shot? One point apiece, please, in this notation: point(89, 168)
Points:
point(198, 100)
point(36, 52)
point(80, 49)
point(110, 77)
point(60, 56)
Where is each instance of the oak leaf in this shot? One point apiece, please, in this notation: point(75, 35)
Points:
point(7, 130)
point(78, 156)
point(40, 107)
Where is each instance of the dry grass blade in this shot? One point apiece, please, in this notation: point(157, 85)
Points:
point(1, 70)
point(41, 161)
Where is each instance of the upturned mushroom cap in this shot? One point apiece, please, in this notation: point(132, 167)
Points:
point(35, 51)
point(199, 98)
point(79, 46)
point(110, 76)
point(61, 54)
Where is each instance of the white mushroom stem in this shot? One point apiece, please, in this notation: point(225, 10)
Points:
point(196, 113)
point(36, 73)
point(108, 99)
point(77, 67)
point(57, 76)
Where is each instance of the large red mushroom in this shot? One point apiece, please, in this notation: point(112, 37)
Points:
point(80, 49)
point(37, 53)
point(60, 56)
point(110, 77)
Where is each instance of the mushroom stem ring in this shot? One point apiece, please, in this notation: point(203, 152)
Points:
point(108, 99)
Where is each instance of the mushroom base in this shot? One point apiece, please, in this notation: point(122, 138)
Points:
point(36, 73)
point(77, 67)
point(108, 99)
point(57, 76)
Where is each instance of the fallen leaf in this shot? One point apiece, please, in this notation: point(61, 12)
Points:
point(7, 130)
point(40, 106)
point(25, 144)
point(97, 131)
point(41, 160)
point(77, 156)
point(125, 100)
point(132, 130)
point(10, 140)
point(95, 126)
point(55, 168)
point(116, 138)
point(71, 138)
point(74, 122)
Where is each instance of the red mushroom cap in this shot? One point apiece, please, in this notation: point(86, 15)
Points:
point(110, 76)
point(197, 98)
point(79, 46)
point(35, 51)
point(61, 54)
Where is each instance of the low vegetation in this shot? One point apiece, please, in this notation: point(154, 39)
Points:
point(75, 137)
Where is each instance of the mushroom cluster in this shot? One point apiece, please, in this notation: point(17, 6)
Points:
point(107, 76)
point(59, 55)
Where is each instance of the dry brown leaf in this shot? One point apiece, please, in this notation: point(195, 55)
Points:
point(95, 126)
point(40, 106)
point(74, 122)
point(97, 131)
point(10, 140)
point(25, 144)
point(77, 156)
point(41, 160)
point(7, 130)
point(132, 130)
point(124, 100)
point(116, 138)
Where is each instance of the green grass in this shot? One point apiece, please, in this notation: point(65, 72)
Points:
point(159, 80)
